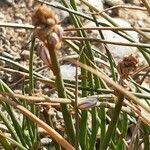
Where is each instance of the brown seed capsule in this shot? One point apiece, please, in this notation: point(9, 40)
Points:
point(43, 16)
point(46, 28)
point(127, 66)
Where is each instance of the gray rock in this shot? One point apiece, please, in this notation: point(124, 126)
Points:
point(117, 51)
point(68, 71)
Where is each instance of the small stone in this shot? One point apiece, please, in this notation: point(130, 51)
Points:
point(59, 115)
point(20, 16)
point(18, 21)
point(113, 2)
point(46, 141)
point(29, 3)
point(1, 73)
point(25, 55)
point(68, 71)
point(1, 16)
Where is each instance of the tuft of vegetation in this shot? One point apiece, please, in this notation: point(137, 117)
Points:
point(103, 108)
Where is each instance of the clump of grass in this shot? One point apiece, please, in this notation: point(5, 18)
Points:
point(102, 109)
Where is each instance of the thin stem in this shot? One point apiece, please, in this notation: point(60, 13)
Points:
point(32, 127)
point(76, 111)
point(109, 28)
point(19, 146)
point(4, 142)
point(107, 42)
point(121, 6)
point(27, 26)
point(112, 125)
point(115, 85)
point(146, 4)
point(61, 92)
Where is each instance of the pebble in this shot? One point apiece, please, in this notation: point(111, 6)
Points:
point(1, 16)
point(46, 141)
point(19, 16)
point(98, 4)
point(25, 55)
point(113, 2)
point(68, 71)
point(59, 115)
point(18, 21)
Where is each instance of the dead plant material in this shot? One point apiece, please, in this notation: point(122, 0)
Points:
point(47, 30)
point(127, 66)
point(46, 27)
point(43, 16)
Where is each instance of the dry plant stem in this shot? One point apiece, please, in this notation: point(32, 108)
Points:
point(137, 112)
point(146, 4)
point(76, 110)
point(38, 98)
point(146, 36)
point(121, 6)
point(131, 145)
point(27, 26)
point(106, 41)
point(109, 28)
point(137, 72)
point(144, 76)
point(115, 85)
point(57, 137)
point(16, 25)
point(47, 81)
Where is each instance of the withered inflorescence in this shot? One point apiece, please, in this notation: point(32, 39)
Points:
point(47, 30)
point(46, 27)
point(127, 66)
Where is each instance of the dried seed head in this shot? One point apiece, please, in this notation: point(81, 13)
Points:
point(47, 29)
point(127, 66)
point(43, 16)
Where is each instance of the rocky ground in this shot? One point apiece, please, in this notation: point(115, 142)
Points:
point(13, 42)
